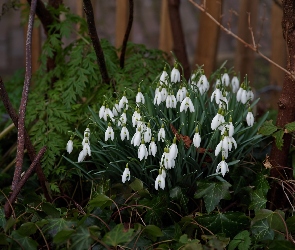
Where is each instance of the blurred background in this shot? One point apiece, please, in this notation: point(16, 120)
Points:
point(205, 42)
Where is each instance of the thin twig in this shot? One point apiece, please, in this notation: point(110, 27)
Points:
point(28, 144)
point(95, 41)
point(23, 104)
point(15, 192)
point(127, 33)
point(241, 40)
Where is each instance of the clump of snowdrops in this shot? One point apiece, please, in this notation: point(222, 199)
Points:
point(173, 132)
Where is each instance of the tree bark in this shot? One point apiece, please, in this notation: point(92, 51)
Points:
point(121, 21)
point(281, 169)
point(179, 47)
point(244, 56)
point(208, 37)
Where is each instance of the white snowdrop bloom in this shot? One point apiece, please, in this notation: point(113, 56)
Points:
point(87, 132)
point(136, 117)
point(203, 84)
point(250, 95)
point(229, 128)
point(160, 181)
point(81, 156)
point(124, 133)
point(164, 78)
point(161, 134)
point(171, 101)
point(163, 172)
point(250, 118)
point(222, 168)
point(216, 94)
point(123, 103)
point(218, 148)
point(225, 79)
point(173, 150)
point(239, 94)
point(141, 125)
point(126, 174)
point(108, 113)
point(235, 84)
point(158, 96)
point(164, 94)
point(225, 144)
point(136, 138)
point(116, 109)
point(147, 136)
point(197, 140)
point(217, 121)
point(167, 161)
point(101, 111)
point(233, 141)
point(122, 119)
point(142, 151)
point(187, 103)
point(192, 79)
point(152, 148)
point(223, 102)
point(181, 94)
point(86, 148)
point(175, 75)
point(70, 146)
point(244, 98)
point(139, 97)
point(109, 134)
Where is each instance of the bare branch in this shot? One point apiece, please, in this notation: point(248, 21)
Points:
point(17, 189)
point(95, 41)
point(250, 46)
point(127, 33)
point(23, 104)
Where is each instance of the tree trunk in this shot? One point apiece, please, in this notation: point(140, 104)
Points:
point(278, 54)
point(166, 39)
point(121, 21)
point(244, 56)
point(208, 37)
point(286, 114)
point(179, 47)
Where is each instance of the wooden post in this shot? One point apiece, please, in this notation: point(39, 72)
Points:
point(208, 37)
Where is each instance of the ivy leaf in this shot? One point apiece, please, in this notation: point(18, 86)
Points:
point(101, 201)
point(212, 193)
point(81, 239)
point(27, 229)
point(3, 239)
point(281, 244)
point(275, 218)
point(242, 240)
point(279, 138)
point(117, 235)
point(2, 218)
point(291, 224)
point(258, 199)
point(226, 223)
point(261, 183)
point(153, 232)
point(262, 231)
point(136, 185)
point(57, 225)
point(267, 128)
point(178, 195)
point(290, 127)
point(63, 236)
point(24, 241)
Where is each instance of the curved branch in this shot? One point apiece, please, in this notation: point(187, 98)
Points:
point(95, 41)
point(23, 104)
point(127, 33)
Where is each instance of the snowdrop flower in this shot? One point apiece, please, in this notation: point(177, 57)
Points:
point(163, 172)
point(197, 138)
point(139, 97)
point(229, 128)
point(116, 109)
point(123, 103)
point(141, 125)
point(70, 145)
point(81, 156)
point(218, 120)
point(166, 160)
point(126, 174)
point(235, 84)
point(250, 94)
point(87, 132)
point(108, 113)
point(161, 134)
point(142, 151)
point(250, 118)
point(152, 148)
point(173, 150)
point(171, 101)
point(160, 181)
point(222, 167)
point(164, 94)
point(136, 137)
point(187, 103)
point(225, 79)
point(101, 111)
point(164, 77)
point(181, 94)
point(242, 94)
point(86, 148)
point(136, 117)
point(216, 94)
point(203, 84)
point(147, 136)
point(122, 119)
point(109, 134)
point(124, 133)
point(158, 96)
point(223, 102)
point(175, 74)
